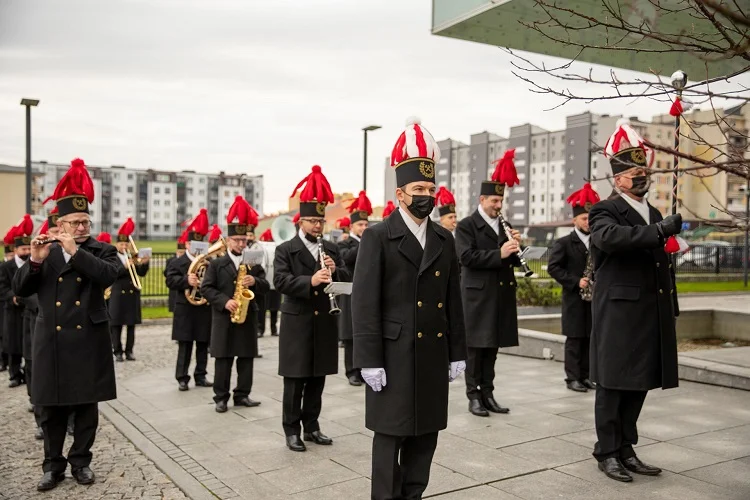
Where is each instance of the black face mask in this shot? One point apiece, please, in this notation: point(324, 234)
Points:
point(640, 185)
point(421, 205)
point(24, 257)
point(311, 238)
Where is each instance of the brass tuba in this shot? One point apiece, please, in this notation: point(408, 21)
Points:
point(198, 267)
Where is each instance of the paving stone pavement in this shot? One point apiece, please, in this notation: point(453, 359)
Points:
point(699, 434)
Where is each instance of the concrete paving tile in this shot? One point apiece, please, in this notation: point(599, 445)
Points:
point(250, 485)
point(223, 467)
point(550, 452)
point(733, 475)
point(309, 476)
point(586, 415)
point(199, 451)
point(356, 489)
point(587, 439)
point(675, 458)
point(500, 435)
point(357, 424)
point(277, 458)
point(477, 493)
point(588, 471)
point(548, 484)
point(688, 424)
point(727, 443)
point(679, 487)
point(353, 452)
point(443, 479)
point(257, 441)
point(552, 425)
point(563, 405)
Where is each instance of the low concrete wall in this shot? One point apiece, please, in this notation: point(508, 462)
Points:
point(731, 325)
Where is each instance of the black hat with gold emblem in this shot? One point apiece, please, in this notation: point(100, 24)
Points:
point(315, 196)
point(75, 191)
point(197, 227)
point(583, 199)
point(360, 208)
point(241, 218)
point(52, 217)
point(625, 149)
point(503, 175)
point(415, 154)
point(22, 232)
point(445, 202)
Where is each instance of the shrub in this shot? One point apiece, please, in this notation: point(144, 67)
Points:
point(538, 293)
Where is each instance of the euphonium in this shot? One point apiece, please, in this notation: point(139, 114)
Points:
point(198, 267)
point(588, 291)
point(242, 296)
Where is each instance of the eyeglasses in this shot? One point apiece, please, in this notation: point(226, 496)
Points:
point(85, 224)
point(315, 222)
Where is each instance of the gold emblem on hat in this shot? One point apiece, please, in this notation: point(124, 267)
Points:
point(587, 206)
point(79, 203)
point(362, 214)
point(241, 229)
point(499, 189)
point(26, 240)
point(638, 156)
point(320, 208)
point(452, 207)
point(427, 170)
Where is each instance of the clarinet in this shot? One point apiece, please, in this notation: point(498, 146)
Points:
point(334, 307)
point(527, 272)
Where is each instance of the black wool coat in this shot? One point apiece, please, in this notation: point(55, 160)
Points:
point(633, 339)
point(72, 351)
point(172, 298)
point(567, 262)
point(348, 249)
point(407, 317)
point(308, 340)
point(219, 283)
point(30, 313)
point(189, 323)
point(125, 301)
point(14, 313)
point(488, 285)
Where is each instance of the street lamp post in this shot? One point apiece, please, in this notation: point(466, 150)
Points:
point(369, 128)
point(29, 103)
point(679, 80)
point(747, 231)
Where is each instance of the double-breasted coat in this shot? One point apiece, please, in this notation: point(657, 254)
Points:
point(633, 339)
point(190, 323)
point(14, 312)
point(72, 351)
point(172, 298)
point(407, 317)
point(567, 262)
point(488, 285)
point(348, 249)
point(30, 313)
point(308, 341)
point(125, 301)
point(219, 283)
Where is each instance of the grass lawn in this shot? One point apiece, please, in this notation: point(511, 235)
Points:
point(710, 286)
point(158, 246)
point(155, 312)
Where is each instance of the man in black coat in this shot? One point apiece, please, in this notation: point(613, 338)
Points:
point(73, 366)
point(190, 322)
point(308, 344)
point(408, 328)
point(8, 256)
point(633, 339)
point(233, 340)
point(172, 299)
point(569, 263)
point(488, 286)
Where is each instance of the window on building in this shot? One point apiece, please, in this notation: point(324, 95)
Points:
point(157, 190)
point(143, 215)
point(116, 201)
point(552, 141)
point(533, 143)
point(533, 184)
point(202, 192)
point(167, 215)
point(190, 204)
point(542, 211)
point(167, 190)
point(533, 170)
point(167, 203)
point(226, 206)
point(157, 228)
point(117, 188)
point(533, 157)
point(156, 203)
point(544, 170)
point(572, 157)
point(226, 193)
point(544, 142)
point(130, 189)
point(201, 180)
point(115, 175)
point(551, 155)
point(157, 215)
point(116, 214)
point(542, 198)
point(552, 183)
point(533, 211)
point(533, 198)
point(130, 177)
point(167, 228)
point(129, 202)
point(570, 172)
point(162, 178)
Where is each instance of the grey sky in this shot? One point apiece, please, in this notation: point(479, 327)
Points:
point(264, 87)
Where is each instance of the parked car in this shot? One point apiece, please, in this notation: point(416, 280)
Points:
point(703, 254)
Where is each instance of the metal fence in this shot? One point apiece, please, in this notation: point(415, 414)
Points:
point(153, 283)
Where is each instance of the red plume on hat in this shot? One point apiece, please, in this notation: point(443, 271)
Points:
point(243, 212)
point(25, 226)
point(215, 233)
point(104, 238)
point(199, 224)
point(316, 187)
point(415, 142)
point(45, 227)
point(10, 237)
point(183, 237)
point(361, 204)
point(75, 181)
point(389, 207)
point(444, 197)
point(344, 222)
point(295, 219)
point(127, 227)
point(505, 169)
point(625, 137)
point(266, 236)
point(584, 195)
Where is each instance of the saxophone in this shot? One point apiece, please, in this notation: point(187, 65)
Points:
point(243, 296)
point(588, 273)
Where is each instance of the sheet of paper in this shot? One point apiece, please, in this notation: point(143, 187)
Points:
point(198, 247)
point(144, 252)
point(339, 288)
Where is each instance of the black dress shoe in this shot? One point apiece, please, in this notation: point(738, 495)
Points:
point(294, 443)
point(493, 406)
point(184, 386)
point(318, 437)
point(246, 402)
point(129, 356)
point(476, 408)
point(221, 407)
point(39, 433)
point(576, 386)
point(588, 383)
point(355, 381)
point(84, 475)
point(14, 383)
point(50, 480)
point(119, 358)
point(203, 382)
point(634, 464)
point(613, 469)
point(274, 333)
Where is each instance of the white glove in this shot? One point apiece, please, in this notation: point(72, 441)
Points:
point(374, 377)
point(457, 368)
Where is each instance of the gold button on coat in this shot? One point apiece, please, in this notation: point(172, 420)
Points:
point(419, 335)
point(78, 327)
point(78, 280)
point(59, 280)
point(661, 291)
point(78, 302)
point(440, 334)
point(131, 291)
point(658, 264)
point(440, 305)
point(58, 303)
point(316, 292)
point(437, 273)
point(501, 283)
point(419, 303)
point(59, 328)
point(316, 313)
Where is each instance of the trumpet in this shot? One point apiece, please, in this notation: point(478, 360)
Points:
point(527, 272)
point(334, 307)
point(132, 261)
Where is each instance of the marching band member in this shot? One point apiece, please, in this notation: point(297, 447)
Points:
point(73, 367)
point(388, 209)
point(308, 348)
point(359, 212)
point(260, 297)
point(190, 322)
point(172, 299)
point(446, 205)
point(569, 260)
point(633, 340)
point(344, 224)
point(125, 298)
point(488, 283)
point(15, 304)
point(408, 324)
point(8, 256)
point(214, 234)
point(230, 339)
point(272, 301)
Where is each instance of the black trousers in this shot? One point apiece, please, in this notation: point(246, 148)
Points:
point(404, 478)
point(223, 376)
point(301, 404)
point(116, 334)
point(184, 354)
point(480, 371)
point(349, 358)
point(15, 372)
point(577, 358)
point(3, 357)
point(616, 415)
point(27, 364)
point(261, 301)
point(54, 421)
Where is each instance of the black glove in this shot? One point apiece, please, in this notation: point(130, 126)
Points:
point(670, 226)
